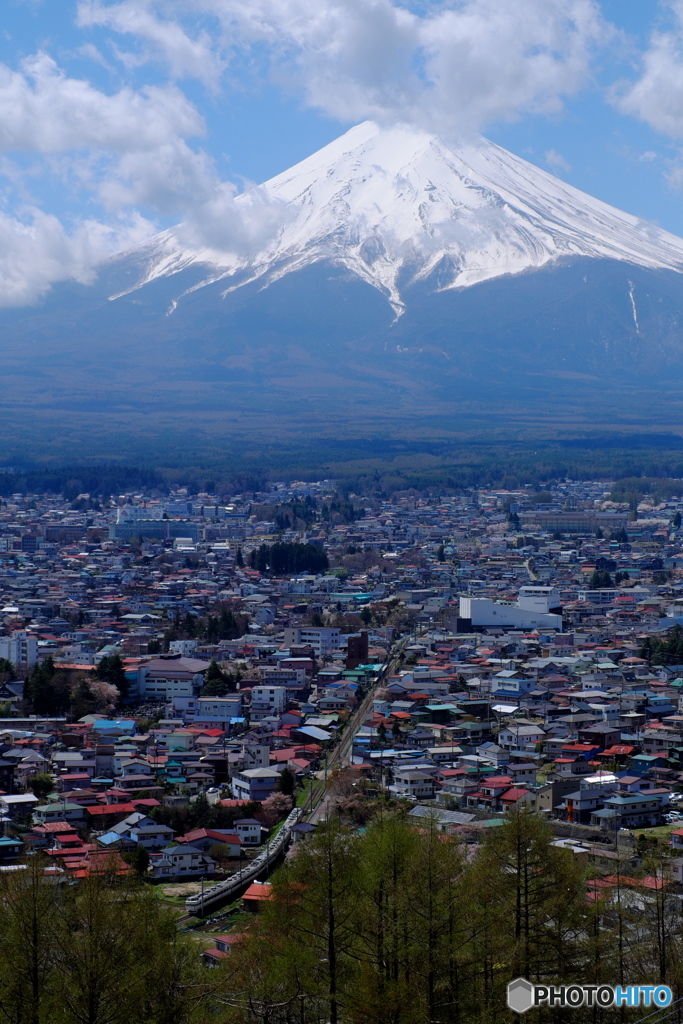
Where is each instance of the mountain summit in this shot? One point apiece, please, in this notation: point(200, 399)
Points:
point(397, 285)
point(396, 206)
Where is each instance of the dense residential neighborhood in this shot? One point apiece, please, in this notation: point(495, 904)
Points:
point(171, 701)
point(540, 666)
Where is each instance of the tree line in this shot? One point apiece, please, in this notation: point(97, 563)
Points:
point(282, 558)
point(51, 690)
point(398, 925)
point(223, 624)
point(667, 651)
point(393, 925)
point(104, 951)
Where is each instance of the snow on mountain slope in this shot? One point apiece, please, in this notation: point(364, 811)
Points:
point(397, 205)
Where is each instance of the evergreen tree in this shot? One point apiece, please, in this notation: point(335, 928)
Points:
point(40, 692)
point(41, 785)
point(83, 702)
point(28, 921)
point(288, 559)
point(218, 683)
point(287, 784)
point(112, 670)
point(600, 580)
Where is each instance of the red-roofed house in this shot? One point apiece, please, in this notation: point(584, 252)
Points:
point(255, 895)
point(204, 838)
point(223, 947)
point(105, 815)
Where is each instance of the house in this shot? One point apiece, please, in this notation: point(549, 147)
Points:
point(579, 806)
point(413, 785)
point(513, 796)
point(601, 734)
point(21, 803)
point(629, 810)
point(10, 849)
point(255, 783)
point(169, 676)
point(249, 831)
point(151, 837)
point(223, 945)
point(522, 773)
point(458, 788)
point(520, 737)
point(104, 816)
point(43, 813)
point(302, 830)
point(255, 895)
point(182, 861)
point(205, 838)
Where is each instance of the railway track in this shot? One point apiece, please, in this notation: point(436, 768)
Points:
point(220, 893)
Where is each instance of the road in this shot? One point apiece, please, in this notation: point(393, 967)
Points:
point(529, 566)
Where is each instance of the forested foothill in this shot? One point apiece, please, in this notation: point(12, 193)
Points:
point(639, 463)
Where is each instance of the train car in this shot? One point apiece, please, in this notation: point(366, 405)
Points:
point(268, 856)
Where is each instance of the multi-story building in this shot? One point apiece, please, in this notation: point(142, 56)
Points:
point(323, 639)
point(21, 648)
point(267, 702)
point(169, 676)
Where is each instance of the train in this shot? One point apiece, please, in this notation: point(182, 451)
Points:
point(249, 873)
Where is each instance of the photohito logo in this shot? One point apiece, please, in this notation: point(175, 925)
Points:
point(523, 996)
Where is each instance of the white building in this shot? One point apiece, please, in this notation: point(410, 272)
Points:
point(21, 648)
point(256, 755)
point(267, 702)
point(170, 676)
point(216, 712)
point(183, 647)
point(534, 598)
point(135, 513)
point(323, 639)
point(530, 611)
point(254, 783)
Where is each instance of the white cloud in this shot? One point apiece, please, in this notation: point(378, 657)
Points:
point(455, 69)
point(656, 97)
point(36, 252)
point(556, 160)
point(174, 180)
point(243, 227)
point(674, 177)
point(164, 38)
point(451, 67)
point(181, 183)
point(42, 110)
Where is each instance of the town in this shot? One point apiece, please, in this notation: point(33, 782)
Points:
point(180, 674)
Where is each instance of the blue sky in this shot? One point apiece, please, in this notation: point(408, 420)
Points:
point(118, 119)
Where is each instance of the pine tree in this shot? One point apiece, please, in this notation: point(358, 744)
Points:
point(112, 670)
point(216, 683)
point(28, 921)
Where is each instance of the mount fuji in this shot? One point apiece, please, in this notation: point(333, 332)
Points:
point(388, 277)
point(397, 206)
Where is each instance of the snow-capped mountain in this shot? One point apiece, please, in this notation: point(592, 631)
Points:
point(396, 206)
point(396, 281)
